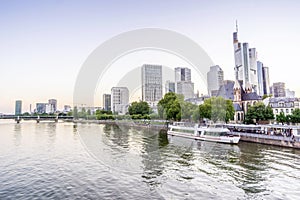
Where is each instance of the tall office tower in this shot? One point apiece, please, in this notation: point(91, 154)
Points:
point(215, 78)
point(182, 74)
point(266, 80)
point(260, 80)
point(253, 69)
point(245, 63)
point(119, 99)
point(170, 86)
point(53, 105)
point(279, 89)
point(151, 83)
point(107, 102)
point(183, 83)
point(18, 107)
point(41, 108)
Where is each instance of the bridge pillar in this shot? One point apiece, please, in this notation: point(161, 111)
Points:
point(38, 119)
point(18, 120)
point(56, 119)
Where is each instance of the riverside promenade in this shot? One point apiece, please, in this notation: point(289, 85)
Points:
point(283, 141)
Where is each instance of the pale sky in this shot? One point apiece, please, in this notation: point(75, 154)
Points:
point(44, 43)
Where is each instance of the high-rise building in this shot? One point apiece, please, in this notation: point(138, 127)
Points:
point(266, 81)
point(119, 100)
point(52, 106)
point(279, 89)
point(186, 88)
point(245, 63)
point(41, 108)
point(182, 74)
point(18, 107)
point(183, 83)
point(151, 83)
point(107, 102)
point(215, 78)
point(170, 86)
point(260, 80)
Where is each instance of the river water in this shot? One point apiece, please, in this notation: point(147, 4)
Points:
point(89, 161)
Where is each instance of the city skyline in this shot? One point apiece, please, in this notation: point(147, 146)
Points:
point(44, 44)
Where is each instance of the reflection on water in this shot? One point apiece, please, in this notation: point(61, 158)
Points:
point(65, 160)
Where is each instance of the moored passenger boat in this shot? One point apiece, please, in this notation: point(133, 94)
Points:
point(214, 133)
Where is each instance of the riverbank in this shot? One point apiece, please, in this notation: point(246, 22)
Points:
point(245, 137)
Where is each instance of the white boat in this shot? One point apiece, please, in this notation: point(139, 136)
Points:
point(213, 133)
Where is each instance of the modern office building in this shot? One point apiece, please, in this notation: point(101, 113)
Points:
point(119, 100)
point(107, 102)
point(266, 80)
point(170, 86)
point(18, 107)
point(52, 105)
point(245, 64)
point(279, 89)
point(182, 74)
point(215, 78)
point(151, 83)
point(183, 83)
point(260, 89)
point(41, 108)
point(186, 88)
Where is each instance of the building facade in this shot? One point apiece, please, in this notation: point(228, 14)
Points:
point(266, 80)
point(41, 108)
point(52, 105)
point(278, 89)
point(260, 89)
point(215, 78)
point(183, 83)
point(119, 100)
point(170, 86)
point(151, 83)
point(283, 105)
point(18, 107)
point(107, 102)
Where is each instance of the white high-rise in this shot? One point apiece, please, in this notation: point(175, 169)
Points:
point(119, 100)
point(245, 63)
point(215, 78)
point(183, 83)
point(151, 83)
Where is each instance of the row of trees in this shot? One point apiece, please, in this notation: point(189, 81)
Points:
point(258, 112)
point(292, 118)
point(173, 107)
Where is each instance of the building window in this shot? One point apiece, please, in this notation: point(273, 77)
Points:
point(276, 110)
point(287, 110)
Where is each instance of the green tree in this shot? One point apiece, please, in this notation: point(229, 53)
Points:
point(216, 109)
point(169, 107)
point(139, 108)
point(295, 117)
point(281, 118)
point(75, 112)
point(258, 112)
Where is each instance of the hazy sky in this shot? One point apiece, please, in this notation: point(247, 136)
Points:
point(44, 43)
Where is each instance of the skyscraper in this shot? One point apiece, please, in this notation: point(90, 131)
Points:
point(266, 80)
point(107, 102)
point(182, 74)
point(151, 83)
point(52, 105)
point(215, 78)
point(183, 83)
point(260, 79)
point(170, 86)
point(245, 63)
point(279, 89)
point(18, 107)
point(119, 99)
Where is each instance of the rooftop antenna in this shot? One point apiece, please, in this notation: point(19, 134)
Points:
point(236, 26)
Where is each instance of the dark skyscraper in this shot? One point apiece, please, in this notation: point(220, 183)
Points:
point(18, 107)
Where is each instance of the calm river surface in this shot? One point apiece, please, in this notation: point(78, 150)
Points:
point(88, 161)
